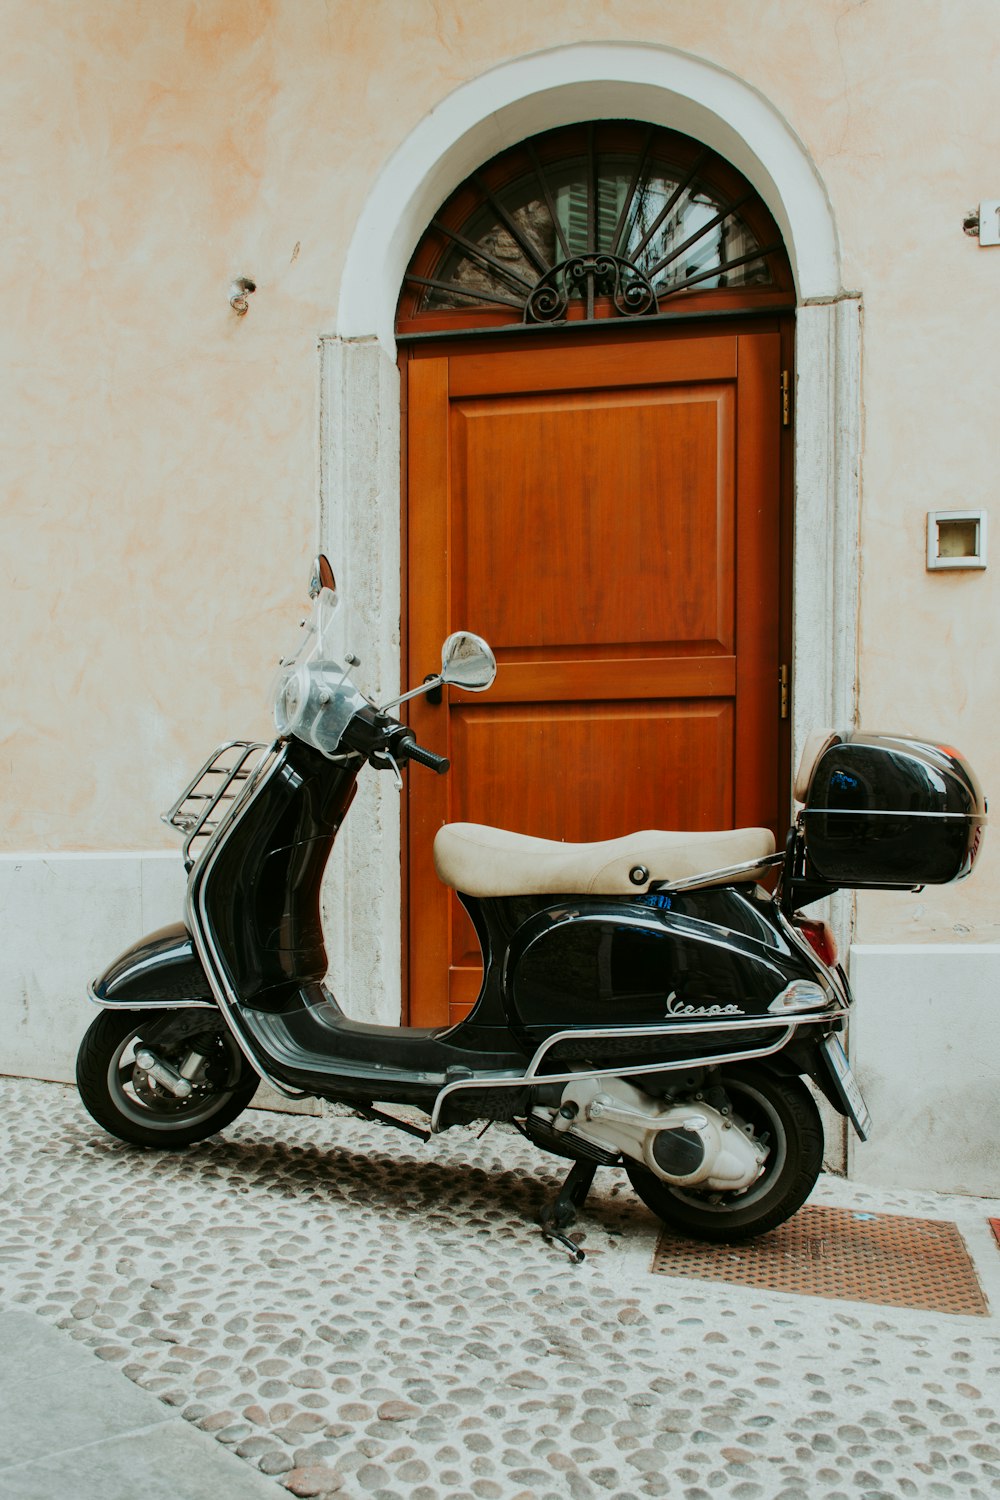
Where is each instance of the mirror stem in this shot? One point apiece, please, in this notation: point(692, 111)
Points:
point(425, 687)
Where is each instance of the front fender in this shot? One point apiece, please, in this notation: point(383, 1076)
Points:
point(160, 969)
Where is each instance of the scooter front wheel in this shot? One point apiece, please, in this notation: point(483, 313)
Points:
point(131, 1105)
point(781, 1113)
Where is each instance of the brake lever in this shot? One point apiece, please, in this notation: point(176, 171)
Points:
point(383, 759)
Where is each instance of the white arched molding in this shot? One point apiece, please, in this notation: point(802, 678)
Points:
point(360, 440)
point(591, 81)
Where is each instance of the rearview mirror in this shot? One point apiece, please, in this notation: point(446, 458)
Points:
point(467, 662)
point(321, 577)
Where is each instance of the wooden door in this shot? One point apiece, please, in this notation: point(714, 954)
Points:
point(606, 513)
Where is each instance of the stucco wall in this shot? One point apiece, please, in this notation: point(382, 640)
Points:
point(161, 469)
point(160, 481)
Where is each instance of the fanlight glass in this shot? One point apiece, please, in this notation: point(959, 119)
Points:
point(616, 210)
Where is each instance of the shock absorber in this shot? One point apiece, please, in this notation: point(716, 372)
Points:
point(162, 1073)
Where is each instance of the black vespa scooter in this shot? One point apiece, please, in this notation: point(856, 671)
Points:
point(645, 1003)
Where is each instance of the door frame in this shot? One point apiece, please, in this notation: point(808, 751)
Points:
point(359, 449)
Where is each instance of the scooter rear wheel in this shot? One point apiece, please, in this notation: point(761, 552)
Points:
point(127, 1104)
point(782, 1112)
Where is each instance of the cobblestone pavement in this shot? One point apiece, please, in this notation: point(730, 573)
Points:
point(352, 1312)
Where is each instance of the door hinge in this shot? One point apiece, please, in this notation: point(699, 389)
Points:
point(783, 681)
point(786, 399)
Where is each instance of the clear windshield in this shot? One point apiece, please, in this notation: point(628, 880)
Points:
point(315, 640)
point(314, 698)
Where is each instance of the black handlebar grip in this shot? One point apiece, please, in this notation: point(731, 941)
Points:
point(424, 757)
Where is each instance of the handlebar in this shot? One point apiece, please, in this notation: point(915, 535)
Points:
point(383, 741)
point(410, 750)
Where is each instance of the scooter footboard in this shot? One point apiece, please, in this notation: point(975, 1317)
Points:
point(160, 969)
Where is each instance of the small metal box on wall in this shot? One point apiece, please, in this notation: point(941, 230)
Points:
point(956, 539)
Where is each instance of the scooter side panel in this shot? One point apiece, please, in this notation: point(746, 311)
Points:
point(497, 921)
point(160, 969)
point(631, 962)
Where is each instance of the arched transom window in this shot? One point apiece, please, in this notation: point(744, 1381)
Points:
point(610, 219)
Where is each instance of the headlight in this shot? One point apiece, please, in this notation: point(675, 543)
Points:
point(289, 700)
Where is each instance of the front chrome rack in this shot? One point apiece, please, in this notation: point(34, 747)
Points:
point(212, 793)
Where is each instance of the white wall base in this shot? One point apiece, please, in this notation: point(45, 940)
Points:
point(64, 918)
point(924, 1043)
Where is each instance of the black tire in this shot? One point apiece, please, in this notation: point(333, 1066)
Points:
point(778, 1109)
point(119, 1096)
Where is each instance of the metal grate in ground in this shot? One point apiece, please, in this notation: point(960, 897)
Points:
point(842, 1253)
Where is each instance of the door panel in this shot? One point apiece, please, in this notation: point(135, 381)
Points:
point(606, 514)
point(595, 477)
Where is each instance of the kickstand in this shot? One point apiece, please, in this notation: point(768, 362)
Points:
point(368, 1112)
point(561, 1213)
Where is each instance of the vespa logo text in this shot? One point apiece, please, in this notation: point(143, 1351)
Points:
point(677, 1007)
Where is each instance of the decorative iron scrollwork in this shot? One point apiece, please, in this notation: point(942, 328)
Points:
point(618, 215)
point(587, 276)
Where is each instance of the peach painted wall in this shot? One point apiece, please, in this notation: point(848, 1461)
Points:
point(160, 465)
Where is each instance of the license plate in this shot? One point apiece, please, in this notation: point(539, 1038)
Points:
point(847, 1085)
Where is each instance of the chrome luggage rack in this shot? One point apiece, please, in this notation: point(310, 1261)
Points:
point(213, 792)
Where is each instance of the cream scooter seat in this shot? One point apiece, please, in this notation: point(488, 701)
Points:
point(484, 861)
